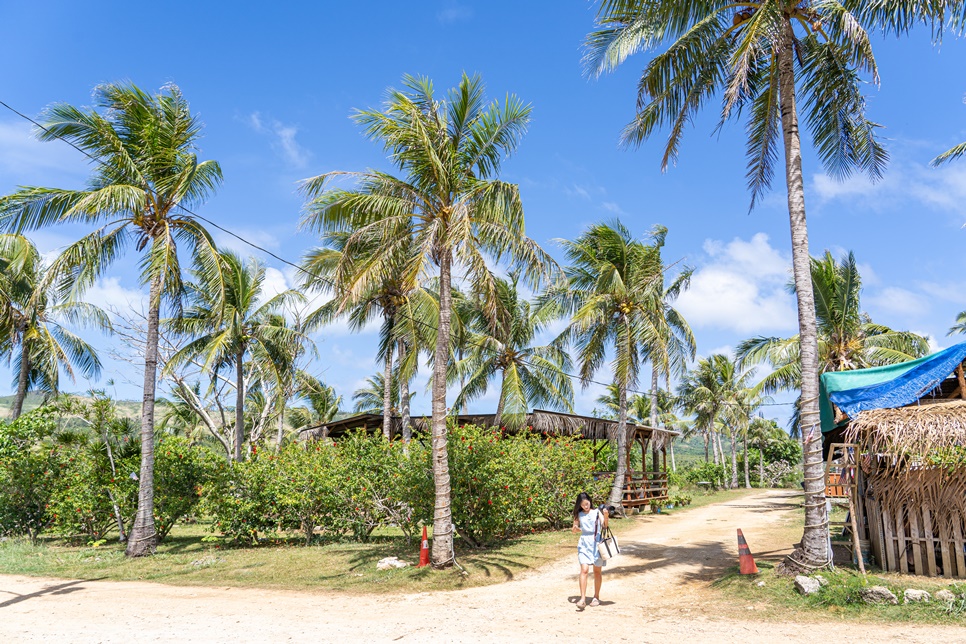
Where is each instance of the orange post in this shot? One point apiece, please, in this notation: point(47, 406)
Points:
point(424, 551)
point(746, 563)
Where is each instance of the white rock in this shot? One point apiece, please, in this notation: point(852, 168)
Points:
point(761, 584)
point(391, 562)
point(806, 585)
point(913, 596)
point(822, 581)
point(945, 595)
point(878, 595)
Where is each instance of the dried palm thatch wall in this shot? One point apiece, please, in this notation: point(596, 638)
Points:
point(915, 488)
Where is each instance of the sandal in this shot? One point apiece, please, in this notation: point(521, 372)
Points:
point(594, 602)
point(581, 604)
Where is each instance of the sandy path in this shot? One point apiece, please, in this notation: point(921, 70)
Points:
point(654, 591)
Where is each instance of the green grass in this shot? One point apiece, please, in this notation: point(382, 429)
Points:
point(185, 558)
point(190, 557)
point(840, 599)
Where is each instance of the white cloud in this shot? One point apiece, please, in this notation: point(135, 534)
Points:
point(283, 139)
point(111, 296)
point(742, 287)
point(894, 299)
point(454, 12)
point(905, 182)
point(610, 206)
point(29, 159)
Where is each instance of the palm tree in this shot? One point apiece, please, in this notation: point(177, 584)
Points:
point(611, 279)
point(847, 337)
point(639, 411)
point(704, 394)
point(747, 53)
point(960, 326)
point(529, 375)
point(368, 399)
point(229, 323)
point(674, 344)
point(447, 205)
point(763, 432)
point(146, 168)
point(32, 317)
point(322, 403)
point(395, 296)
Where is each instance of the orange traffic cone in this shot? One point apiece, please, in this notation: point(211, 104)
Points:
point(424, 551)
point(746, 563)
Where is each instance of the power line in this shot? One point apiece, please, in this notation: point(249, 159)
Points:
point(316, 276)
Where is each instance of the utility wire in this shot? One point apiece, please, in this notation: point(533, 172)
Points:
point(328, 282)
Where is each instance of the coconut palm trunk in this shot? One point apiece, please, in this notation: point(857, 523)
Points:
point(442, 552)
point(143, 538)
point(239, 404)
point(734, 460)
point(653, 420)
point(407, 430)
point(498, 417)
point(617, 490)
point(387, 396)
point(744, 445)
point(815, 537)
point(281, 426)
point(761, 466)
point(22, 378)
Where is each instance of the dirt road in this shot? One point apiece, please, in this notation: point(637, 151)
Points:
point(655, 591)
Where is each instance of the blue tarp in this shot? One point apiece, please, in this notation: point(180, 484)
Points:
point(906, 384)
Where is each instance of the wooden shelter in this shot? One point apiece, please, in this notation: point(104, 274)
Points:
point(913, 499)
point(640, 487)
point(903, 467)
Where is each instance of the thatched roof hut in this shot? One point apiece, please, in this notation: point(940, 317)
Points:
point(550, 423)
point(911, 432)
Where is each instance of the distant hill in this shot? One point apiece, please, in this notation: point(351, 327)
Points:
point(126, 408)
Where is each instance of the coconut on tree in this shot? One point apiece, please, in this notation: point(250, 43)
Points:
point(146, 168)
point(767, 61)
point(447, 205)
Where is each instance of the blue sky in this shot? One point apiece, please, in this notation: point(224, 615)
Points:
point(275, 87)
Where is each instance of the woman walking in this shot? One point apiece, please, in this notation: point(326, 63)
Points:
point(589, 522)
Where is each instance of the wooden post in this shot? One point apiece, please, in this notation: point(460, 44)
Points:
point(856, 548)
point(962, 382)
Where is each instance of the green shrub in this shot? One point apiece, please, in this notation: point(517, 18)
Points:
point(241, 498)
point(180, 472)
point(566, 468)
point(502, 485)
point(303, 486)
point(700, 472)
point(371, 485)
point(80, 503)
point(30, 464)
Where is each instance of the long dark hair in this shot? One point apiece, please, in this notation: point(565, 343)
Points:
point(580, 499)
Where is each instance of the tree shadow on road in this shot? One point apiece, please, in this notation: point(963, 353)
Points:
point(58, 589)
